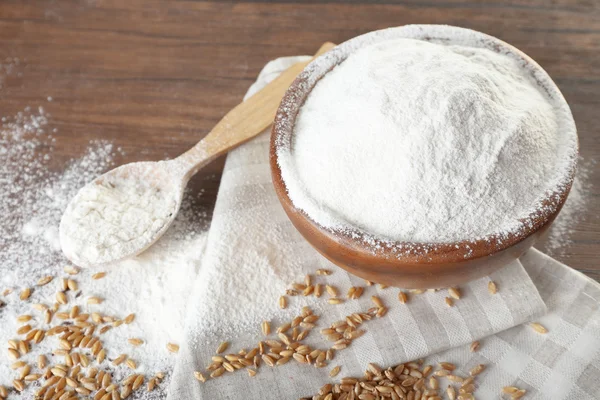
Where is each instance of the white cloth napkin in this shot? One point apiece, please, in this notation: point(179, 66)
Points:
point(253, 254)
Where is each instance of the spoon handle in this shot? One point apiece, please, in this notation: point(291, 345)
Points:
point(244, 122)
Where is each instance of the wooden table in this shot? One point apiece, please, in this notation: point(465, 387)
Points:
point(155, 76)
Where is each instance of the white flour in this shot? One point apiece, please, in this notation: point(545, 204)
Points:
point(573, 212)
point(116, 215)
point(415, 141)
point(154, 286)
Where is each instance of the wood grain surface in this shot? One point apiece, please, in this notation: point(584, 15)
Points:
point(155, 76)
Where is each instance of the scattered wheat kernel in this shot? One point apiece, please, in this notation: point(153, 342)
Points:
point(24, 318)
point(72, 285)
point(454, 292)
point(266, 328)
point(71, 270)
point(18, 385)
point(45, 280)
point(539, 328)
point(433, 383)
point(125, 392)
point(172, 347)
point(119, 360)
point(449, 301)
point(474, 346)
point(451, 392)
point(334, 371)
point(335, 300)
point(282, 302)
point(135, 342)
point(377, 301)
point(40, 307)
point(318, 290)
point(20, 364)
point(323, 272)
point(477, 370)
point(492, 288)
point(3, 392)
point(139, 381)
point(61, 298)
point(222, 347)
point(402, 297)
point(151, 384)
point(307, 280)
point(518, 394)
point(129, 319)
point(24, 329)
point(94, 300)
point(99, 275)
point(131, 364)
point(25, 294)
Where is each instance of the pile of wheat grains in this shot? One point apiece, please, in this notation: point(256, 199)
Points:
point(410, 381)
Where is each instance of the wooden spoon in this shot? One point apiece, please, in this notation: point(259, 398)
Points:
point(100, 240)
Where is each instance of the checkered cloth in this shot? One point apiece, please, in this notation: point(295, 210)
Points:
point(251, 238)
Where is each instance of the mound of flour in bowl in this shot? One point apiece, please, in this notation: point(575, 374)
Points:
point(415, 141)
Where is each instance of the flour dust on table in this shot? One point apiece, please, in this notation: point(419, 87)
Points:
point(575, 209)
point(153, 287)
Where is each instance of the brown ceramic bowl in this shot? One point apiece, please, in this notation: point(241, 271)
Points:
point(427, 265)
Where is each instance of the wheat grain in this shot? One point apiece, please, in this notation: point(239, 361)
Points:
point(266, 328)
point(45, 280)
point(172, 347)
point(318, 292)
point(131, 364)
point(72, 285)
point(402, 297)
point(492, 287)
point(25, 294)
point(377, 301)
point(454, 292)
point(477, 370)
point(24, 318)
point(119, 360)
point(135, 342)
point(323, 272)
point(282, 302)
point(94, 300)
point(451, 392)
point(99, 275)
point(539, 328)
point(71, 270)
point(61, 298)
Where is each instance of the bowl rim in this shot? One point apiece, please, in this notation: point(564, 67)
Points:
point(406, 251)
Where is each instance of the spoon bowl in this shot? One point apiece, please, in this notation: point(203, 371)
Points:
point(121, 213)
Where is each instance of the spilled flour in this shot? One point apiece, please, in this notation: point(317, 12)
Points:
point(153, 286)
point(117, 215)
point(575, 209)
